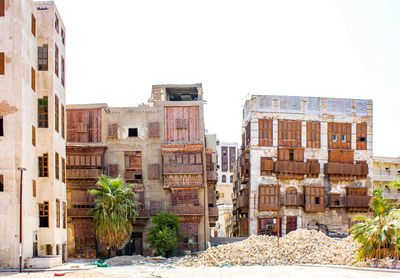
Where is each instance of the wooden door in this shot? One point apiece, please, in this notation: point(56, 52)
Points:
point(291, 223)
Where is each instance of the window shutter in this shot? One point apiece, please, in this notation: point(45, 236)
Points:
point(154, 130)
point(113, 170)
point(113, 131)
point(153, 171)
point(33, 79)
point(33, 25)
point(2, 62)
point(2, 8)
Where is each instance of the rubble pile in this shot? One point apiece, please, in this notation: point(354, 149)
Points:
point(297, 247)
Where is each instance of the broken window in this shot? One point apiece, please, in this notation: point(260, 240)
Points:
point(33, 25)
point(33, 136)
point(1, 127)
point(58, 213)
point(265, 137)
point(44, 215)
point(2, 63)
point(182, 94)
point(43, 57)
point(43, 165)
point(1, 183)
point(133, 132)
point(313, 134)
point(33, 79)
point(361, 136)
point(56, 59)
point(56, 113)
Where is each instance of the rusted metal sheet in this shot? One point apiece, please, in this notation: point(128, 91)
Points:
point(182, 133)
point(84, 125)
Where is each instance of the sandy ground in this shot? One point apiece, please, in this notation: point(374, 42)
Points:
point(210, 272)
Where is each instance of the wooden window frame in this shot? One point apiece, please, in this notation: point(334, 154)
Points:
point(62, 71)
point(153, 171)
point(2, 8)
point(2, 63)
point(43, 112)
point(56, 113)
point(33, 136)
point(128, 161)
point(1, 183)
point(284, 154)
point(43, 58)
point(336, 131)
point(64, 214)
point(63, 165)
point(56, 59)
point(112, 131)
point(58, 212)
point(289, 133)
point(44, 213)
point(33, 25)
point(269, 197)
point(311, 193)
point(154, 130)
point(62, 121)
point(265, 132)
point(265, 166)
point(33, 79)
point(361, 133)
point(34, 188)
point(57, 165)
point(43, 165)
point(313, 135)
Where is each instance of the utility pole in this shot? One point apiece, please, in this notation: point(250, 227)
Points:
point(20, 218)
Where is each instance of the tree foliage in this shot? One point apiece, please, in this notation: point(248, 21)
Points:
point(113, 212)
point(163, 236)
point(379, 235)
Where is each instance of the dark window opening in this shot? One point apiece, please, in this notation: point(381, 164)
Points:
point(337, 203)
point(231, 179)
point(223, 178)
point(317, 201)
point(44, 215)
point(133, 132)
point(1, 183)
point(362, 139)
point(1, 127)
point(138, 177)
point(43, 113)
point(182, 94)
point(291, 155)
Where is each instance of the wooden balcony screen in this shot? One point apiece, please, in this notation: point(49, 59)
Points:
point(289, 133)
point(291, 154)
point(339, 135)
point(84, 173)
point(78, 212)
point(361, 134)
point(154, 130)
point(84, 125)
point(81, 197)
point(169, 169)
point(266, 166)
point(113, 170)
point(313, 134)
point(133, 161)
point(183, 181)
point(189, 210)
point(314, 198)
point(153, 171)
point(292, 198)
point(346, 171)
point(269, 197)
point(335, 200)
point(112, 131)
point(265, 132)
point(185, 197)
point(84, 161)
point(341, 156)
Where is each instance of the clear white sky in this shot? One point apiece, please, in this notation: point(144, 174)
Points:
point(117, 49)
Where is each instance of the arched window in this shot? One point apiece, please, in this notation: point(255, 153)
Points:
point(231, 179)
point(223, 178)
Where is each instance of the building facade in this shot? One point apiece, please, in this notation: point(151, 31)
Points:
point(226, 157)
point(387, 169)
point(161, 147)
point(32, 131)
point(304, 163)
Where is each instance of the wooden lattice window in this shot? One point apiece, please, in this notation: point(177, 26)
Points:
point(314, 198)
point(113, 170)
point(361, 136)
point(291, 154)
point(33, 136)
point(2, 63)
point(64, 215)
point(33, 79)
point(33, 188)
point(339, 135)
point(43, 165)
point(44, 215)
point(265, 134)
point(63, 170)
point(112, 131)
point(341, 156)
point(269, 197)
point(313, 134)
point(56, 113)
point(57, 165)
point(56, 59)
point(266, 166)
point(58, 213)
point(133, 161)
point(289, 133)
point(43, 52)
point(43, 117)
point(154, 130)
point(62, 121)
point(153, 171)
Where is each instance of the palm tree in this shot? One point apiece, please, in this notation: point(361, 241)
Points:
point(113, 212)
point(379, 235)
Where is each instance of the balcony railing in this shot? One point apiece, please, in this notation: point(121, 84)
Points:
point(187, 210)
point(385, 175)
point(182, 169)
point(78, 212)
point(292, 167)
point(391, 195)
point(84, 173)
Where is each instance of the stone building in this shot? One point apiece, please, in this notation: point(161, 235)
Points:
point(305, 162)
point(160, 146)
point(32, 132)
point(226, 157)
point(387, 169)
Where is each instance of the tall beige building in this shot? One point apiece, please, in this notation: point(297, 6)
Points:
point(32, 131)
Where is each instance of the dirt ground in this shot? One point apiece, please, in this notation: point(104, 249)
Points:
point(210, 272)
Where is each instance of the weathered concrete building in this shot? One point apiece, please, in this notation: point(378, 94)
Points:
point(226, 157)
point(305, 161)
point(161, 146)
point(387, 169)
point(32, 132)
